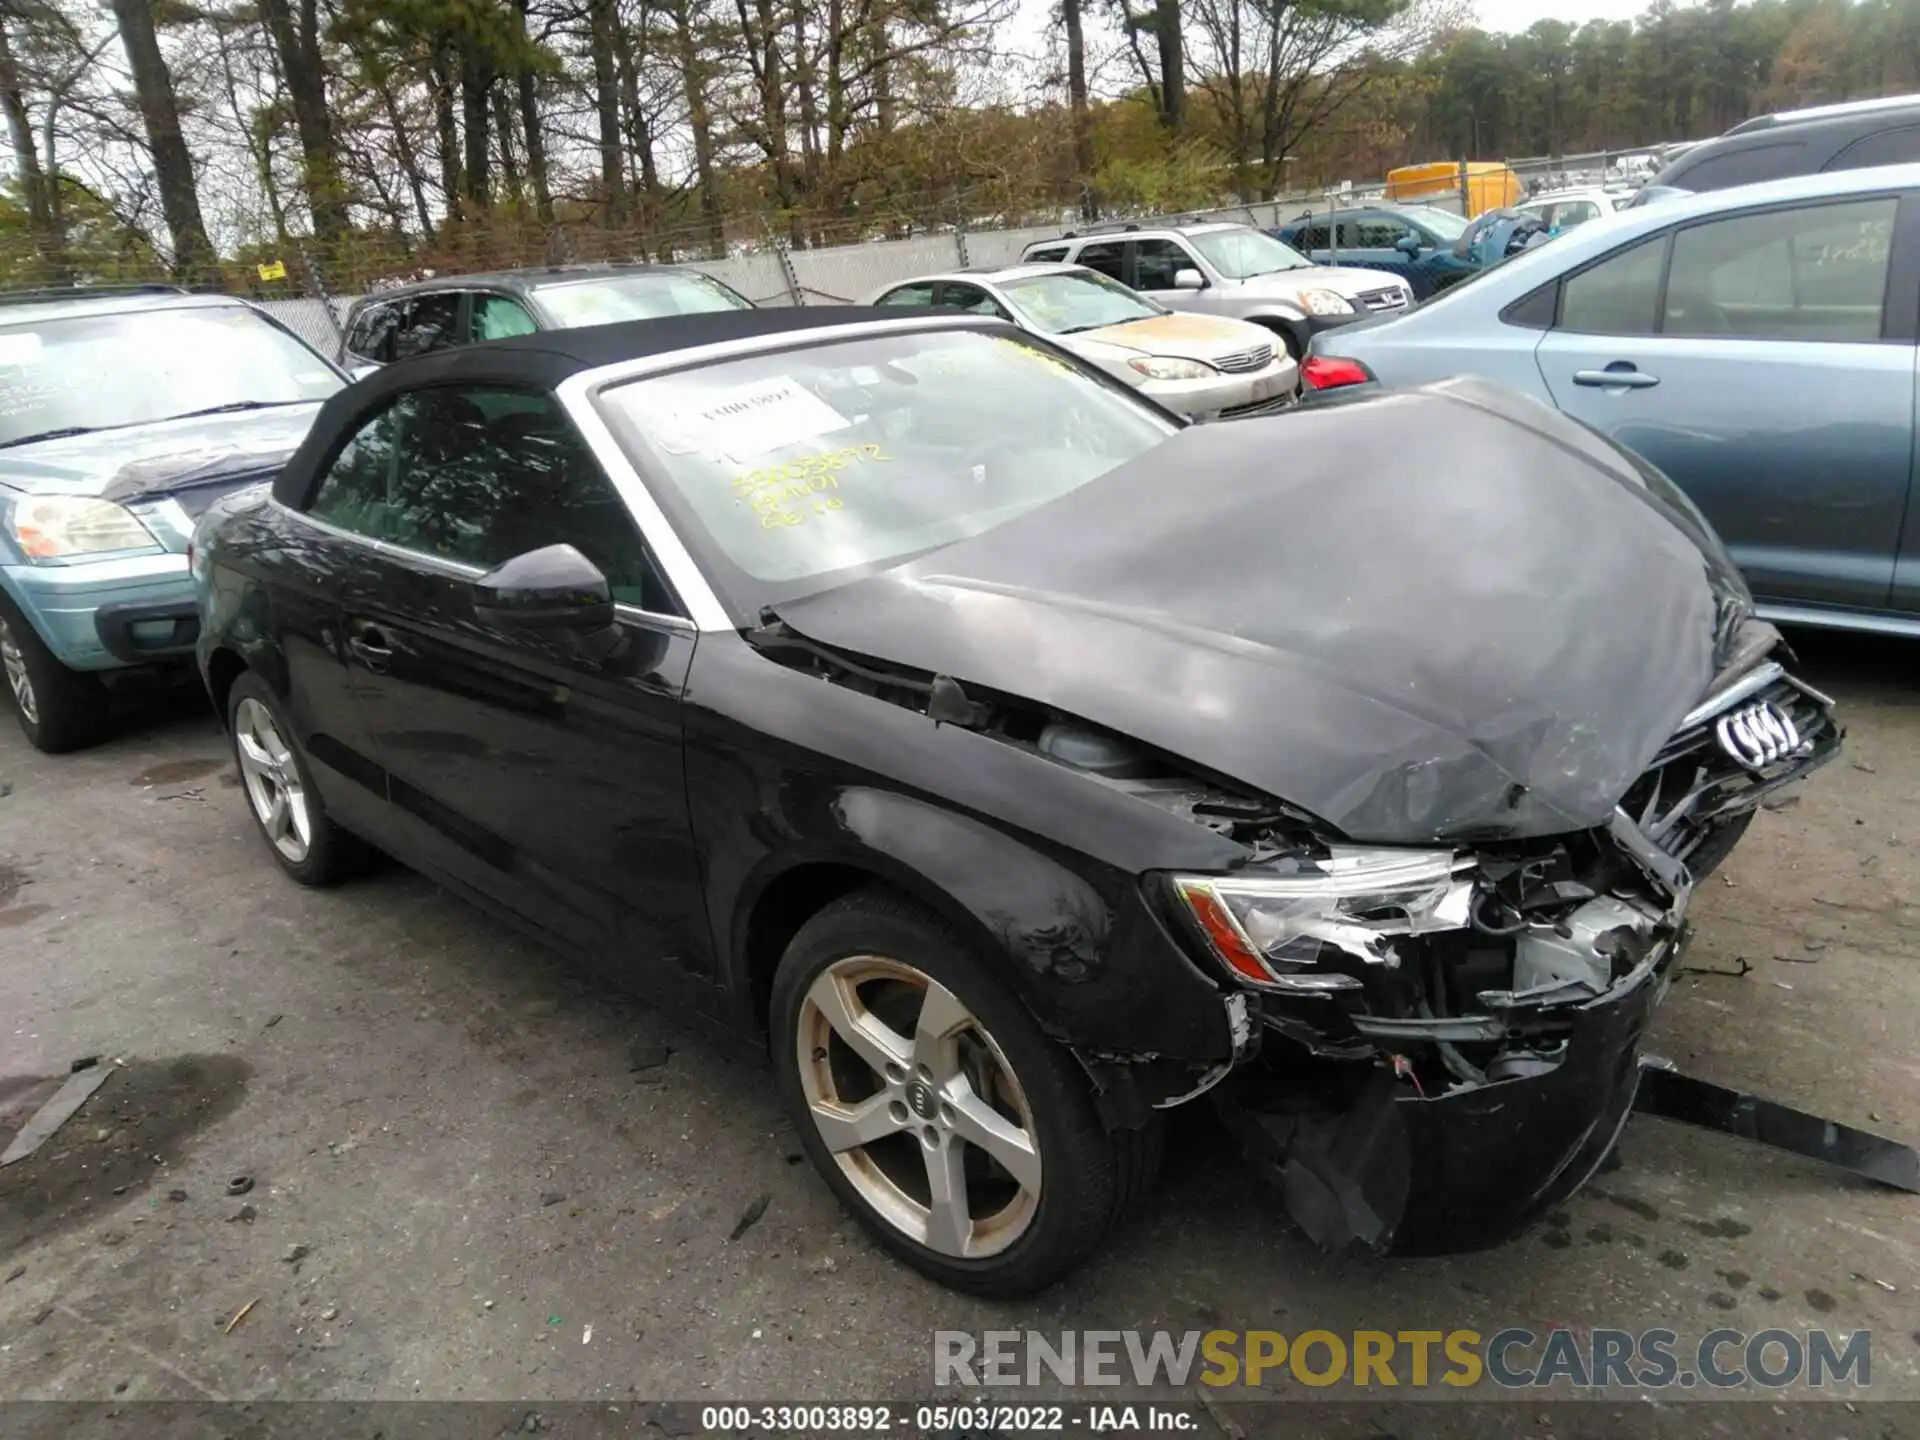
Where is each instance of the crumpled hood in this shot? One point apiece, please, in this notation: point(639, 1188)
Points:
point(134, 461)
point(1182, 333)
point(1438, 614)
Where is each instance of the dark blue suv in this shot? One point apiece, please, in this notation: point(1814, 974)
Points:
point(1415, 242)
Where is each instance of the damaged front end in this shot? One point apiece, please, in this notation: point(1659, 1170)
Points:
point(1453, 1034)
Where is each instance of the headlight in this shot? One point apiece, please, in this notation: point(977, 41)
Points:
point(1325, 302)
point(50, 527)
point(1166, 367)
point(1285, 932)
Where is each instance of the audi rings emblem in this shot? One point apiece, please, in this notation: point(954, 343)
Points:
point(1758, 735)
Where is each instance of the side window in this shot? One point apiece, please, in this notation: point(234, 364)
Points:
point(1814, 273)
point(371, 337)
point(920, 293)
point(496, 317)
point(1047, 253)
point(1569, 213)
point(1318, 236)
point(1746, 166)
point(1619, 296)
point(432, 323)
point(1156, 262)
point(1108, 257)
point(1889, 147)
point(971, 298)
point(481, 475)
point(1378, 232)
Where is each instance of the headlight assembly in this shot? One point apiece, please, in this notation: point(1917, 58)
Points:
point(1325, 302)
point(55, 527)
point(1277, 932)
point(1168, 367)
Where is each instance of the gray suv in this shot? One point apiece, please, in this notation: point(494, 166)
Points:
point(1232, 270)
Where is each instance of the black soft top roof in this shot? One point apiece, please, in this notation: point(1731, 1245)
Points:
point(542, 361)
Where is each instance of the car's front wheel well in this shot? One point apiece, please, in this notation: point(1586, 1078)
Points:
point(223, 668)
point(789, 901)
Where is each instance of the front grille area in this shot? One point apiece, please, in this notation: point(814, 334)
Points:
point(1696, 781)
point(1238, 364)
point(1393, 298)
point(1260, 407)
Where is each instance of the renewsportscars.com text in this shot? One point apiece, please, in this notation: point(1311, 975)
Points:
point(1512, 1358)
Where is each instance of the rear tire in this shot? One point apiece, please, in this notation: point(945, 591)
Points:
point(944, 1053)
point(280, 793)
point(58, 709)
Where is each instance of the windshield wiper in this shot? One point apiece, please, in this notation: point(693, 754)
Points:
point(60, 434)
point(235, 406)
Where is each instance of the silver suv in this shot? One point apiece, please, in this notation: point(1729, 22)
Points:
point(1232, 270)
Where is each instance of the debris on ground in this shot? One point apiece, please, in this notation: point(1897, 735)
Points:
point(1798, 959)
point(647, 1055)
point(240, 1315)
point(245, 1213)
point(1784, 802)
point(1741, 961)
point(1891, 1289)
point(1864, 768)
point(332, 1312)
point(552, 1197)
point(176, 1196)
point(272, 1020)
point(239, 1185)
point(750, 1216)
point(59, 1108)
point(295, 1254)
point(85, 1062)
point(14, 1275)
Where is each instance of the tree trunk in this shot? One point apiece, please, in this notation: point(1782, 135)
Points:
point(446, 129)
point(639, 133)
point(503, 124)
point(193, 255)
point(606, 93)
point(297, 47)
point(695, 77)
point(476, 81)
point(42, 221)
point(1173, 64)
point(529, 94)
point(1077, 107)
point(403, 148)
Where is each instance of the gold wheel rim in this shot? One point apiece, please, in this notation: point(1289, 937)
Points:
point(919, 1106)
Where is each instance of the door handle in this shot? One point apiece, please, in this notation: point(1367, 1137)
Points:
point(1623, 374)
point(369, 646)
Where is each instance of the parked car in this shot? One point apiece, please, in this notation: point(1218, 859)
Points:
point(128, 412)
point(1022, 760)
point(1857, 135)
point(1563, 210)
point(1756, 344)
point(450, 310)
point(1231, 270)
point(1198, 365)
point(1415, 242)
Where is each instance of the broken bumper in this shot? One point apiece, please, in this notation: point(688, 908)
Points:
point(1460, 1171)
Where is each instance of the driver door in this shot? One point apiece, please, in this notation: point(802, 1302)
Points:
point(1754, 358)
point(540, 770)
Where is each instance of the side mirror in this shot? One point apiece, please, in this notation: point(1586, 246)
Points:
point(1188, 278)
point(1408, 245)
point(555, 588)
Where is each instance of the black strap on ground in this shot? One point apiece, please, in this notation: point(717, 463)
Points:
point(1671, 1095)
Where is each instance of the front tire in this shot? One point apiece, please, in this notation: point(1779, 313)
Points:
point(281, 796)
point(929, 1100)
point(58, 709)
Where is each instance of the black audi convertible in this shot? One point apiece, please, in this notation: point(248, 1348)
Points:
point(1022, 761)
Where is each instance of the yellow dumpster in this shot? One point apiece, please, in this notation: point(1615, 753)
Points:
point(1490, 184)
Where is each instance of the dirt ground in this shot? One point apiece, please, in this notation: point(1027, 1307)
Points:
point(469, 1179)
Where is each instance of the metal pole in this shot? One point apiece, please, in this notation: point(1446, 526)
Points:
point(794, 294)
point(1466, 193)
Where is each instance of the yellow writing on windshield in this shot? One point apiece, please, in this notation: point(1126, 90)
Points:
point(787, 493)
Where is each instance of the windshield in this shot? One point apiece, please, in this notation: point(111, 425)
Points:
point(1443, 223)
point(1242, 254)
point(1066, 303)
point(793, 471)
point(100, 372)
point(609, 299)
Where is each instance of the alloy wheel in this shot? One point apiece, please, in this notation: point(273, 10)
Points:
point(272, 780)
point(919, 1106)
point(19, 683)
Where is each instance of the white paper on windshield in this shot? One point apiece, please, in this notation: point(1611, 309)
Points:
point(19, 347)
point(750, 420)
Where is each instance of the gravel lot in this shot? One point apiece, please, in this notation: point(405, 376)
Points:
point(457, 1170)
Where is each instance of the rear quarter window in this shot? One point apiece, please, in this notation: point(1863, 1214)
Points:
point(1899, 146)
point(1746, 166)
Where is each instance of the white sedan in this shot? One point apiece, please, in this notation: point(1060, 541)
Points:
point(1198, 365)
